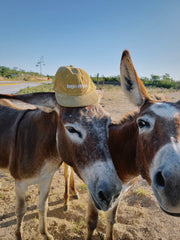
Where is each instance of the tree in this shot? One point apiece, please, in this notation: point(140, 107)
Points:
point(155, 77)
point(166, 77)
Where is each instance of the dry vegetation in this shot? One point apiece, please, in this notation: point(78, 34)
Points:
point(138, 218)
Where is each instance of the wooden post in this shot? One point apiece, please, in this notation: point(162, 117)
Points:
point(97, 80)
point(103, 81)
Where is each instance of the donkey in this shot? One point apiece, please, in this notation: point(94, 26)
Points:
point(35, 142)
point(68, 171)
point(147, 143)
point(69, 184)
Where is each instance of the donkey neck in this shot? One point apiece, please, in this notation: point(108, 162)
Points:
point(122, 145)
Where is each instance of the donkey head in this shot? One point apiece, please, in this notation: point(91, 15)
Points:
point(81, 139)
point(158, 140)
point(84, 133)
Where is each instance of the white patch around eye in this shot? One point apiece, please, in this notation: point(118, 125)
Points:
point(79, 133)
point(148, 119)
point(165, 110)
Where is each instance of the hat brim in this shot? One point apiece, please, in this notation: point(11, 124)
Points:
point(77, 101)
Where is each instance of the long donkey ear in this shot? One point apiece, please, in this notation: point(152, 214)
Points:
point(130, 82)
point(44, 101)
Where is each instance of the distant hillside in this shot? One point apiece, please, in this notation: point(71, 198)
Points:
point(21, 75)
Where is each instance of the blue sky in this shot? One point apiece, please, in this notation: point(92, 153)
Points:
point(91, 35)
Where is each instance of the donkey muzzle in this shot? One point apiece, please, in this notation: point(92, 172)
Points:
point(105, 196)
point(166, 179)
point(103, 183)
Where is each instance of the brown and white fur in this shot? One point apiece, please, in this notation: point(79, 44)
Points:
point(34, 143)
point(68, 171)
point(158, 139)
point(146, 143)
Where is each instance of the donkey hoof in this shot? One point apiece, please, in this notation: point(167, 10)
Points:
point(48, 236)
point(76, 196)
point(66, 207)
point(18, 235)
point(101, 236)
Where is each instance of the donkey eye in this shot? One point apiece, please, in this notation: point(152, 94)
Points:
point(142, 123)
point(74, 131)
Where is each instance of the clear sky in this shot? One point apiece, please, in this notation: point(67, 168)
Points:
point(91, 35)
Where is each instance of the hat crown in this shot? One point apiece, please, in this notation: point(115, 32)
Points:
point(74, 88)
point(73, 81)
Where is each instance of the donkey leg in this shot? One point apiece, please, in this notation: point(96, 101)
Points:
point(111, 219)
point(43, 207)
point(66, 193)
point(20, 189)
point(92, 219)
point(72, 185)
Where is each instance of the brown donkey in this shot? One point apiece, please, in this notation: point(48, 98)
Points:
point(68, 171)
point(33, 144)
point(146, 143)
point(69, 185)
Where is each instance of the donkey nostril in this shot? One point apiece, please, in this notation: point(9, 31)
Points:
point(160, 180)
point(101, 196)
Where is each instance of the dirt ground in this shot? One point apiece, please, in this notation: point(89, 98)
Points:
point(139, 216)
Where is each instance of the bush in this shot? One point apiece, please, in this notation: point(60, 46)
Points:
point(107, 80)
point(41, 88)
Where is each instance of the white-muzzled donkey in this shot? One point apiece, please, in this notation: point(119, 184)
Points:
point(146, 142)
point(34, 143)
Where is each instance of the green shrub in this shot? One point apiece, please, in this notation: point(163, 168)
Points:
point(41, 88)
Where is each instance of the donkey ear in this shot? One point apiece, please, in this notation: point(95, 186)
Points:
point(44, 101)
point(130, 82)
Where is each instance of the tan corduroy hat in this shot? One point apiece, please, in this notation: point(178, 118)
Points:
point(74, 88)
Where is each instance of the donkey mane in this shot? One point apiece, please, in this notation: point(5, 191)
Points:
point(126, 119)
